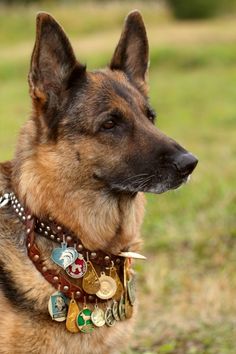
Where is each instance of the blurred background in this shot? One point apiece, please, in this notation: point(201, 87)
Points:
point(187, 287)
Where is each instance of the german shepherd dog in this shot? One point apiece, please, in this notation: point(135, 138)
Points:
point(85, 157)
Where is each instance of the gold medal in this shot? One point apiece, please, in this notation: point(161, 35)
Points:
point(120, 288)
point(72, 314)
point(128, 307)
point(98, 317)
point(107, 287)
point(91, 283)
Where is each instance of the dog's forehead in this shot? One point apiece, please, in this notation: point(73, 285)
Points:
point(115, 86)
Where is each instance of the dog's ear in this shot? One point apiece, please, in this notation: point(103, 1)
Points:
point(131, 53)
point(53, 60)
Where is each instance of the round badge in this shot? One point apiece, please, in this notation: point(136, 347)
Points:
point(78, 268)
point(107, 287)
point(115, 310)
point(98, 317)
point(110, 321)
point(84, 322)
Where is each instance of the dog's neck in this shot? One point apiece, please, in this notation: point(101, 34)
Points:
point(102, 220)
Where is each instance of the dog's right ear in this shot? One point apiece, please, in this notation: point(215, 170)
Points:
point(53, 60)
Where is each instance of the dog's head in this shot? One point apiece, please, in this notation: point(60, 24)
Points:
point(97, 128)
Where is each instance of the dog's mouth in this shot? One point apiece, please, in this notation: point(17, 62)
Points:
point(149, 184)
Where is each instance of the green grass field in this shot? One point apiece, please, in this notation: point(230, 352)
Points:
point(187, 288)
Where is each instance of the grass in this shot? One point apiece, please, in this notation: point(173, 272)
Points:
point(187, 287)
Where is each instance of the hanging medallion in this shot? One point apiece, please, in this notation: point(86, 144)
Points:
point(131, 288)
point(115, 310)
point(119, 285)
point(110, 321)
point(128, 307)
point(72, 315)
point(107, 287)
point(78, 268)
point(91, 284)
point(98, 317)
point(57, 306)
point(64, 256)
point(84, 322)
point(122, 308)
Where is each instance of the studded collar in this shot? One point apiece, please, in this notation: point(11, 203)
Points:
point(59, 234)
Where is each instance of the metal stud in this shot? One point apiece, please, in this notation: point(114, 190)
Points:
point(80, 247)
point(107, 258)
point(44, 269)
point(28, 231)
point(59, 228)
point(18, 205)
point(118, 260)
point(40, 229)
point(29, 217)
point(91, 298)
point(17, 210)
point(52, 237)
point(66, 288)
point(42, 224)
point(93, 255)
point(50, 218)
point(68, 238)
point(36, 257)
point(58, 239)
point(78, 293)
point(48, 228)
point(20, 214)
point(24, 218)
point(45, 233)
point(28, 245)
point(55, 278)
point(21, 209)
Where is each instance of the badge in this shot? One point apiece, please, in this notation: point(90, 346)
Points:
point(90, 282)
point(78, 268)
point(110, 321)
point(107, 287)
point(64, 256)
point(84, 322)
point(57, 306)
point(119, 285)
point(115, 310)
point(98, 317)
point(131, 289)
point(128, 308)
point(72, 315)
point(121, 308)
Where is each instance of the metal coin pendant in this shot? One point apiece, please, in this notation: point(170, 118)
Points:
point(78, 268)
point(115, 310)
point(91, 283)
point(107, 287)
point(57, 306)
point(72, 314)
point(64, 256)
point(128, 308)
point(120, 288)
point(131, 288)
point(98, 317)
point(84, 322)
point(122, 308)
point(110, 321)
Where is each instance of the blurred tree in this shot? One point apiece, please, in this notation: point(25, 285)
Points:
point(194, 9)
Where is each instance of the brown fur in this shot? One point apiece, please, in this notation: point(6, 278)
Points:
point(70, 166)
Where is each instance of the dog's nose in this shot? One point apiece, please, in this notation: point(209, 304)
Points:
point(185, 163)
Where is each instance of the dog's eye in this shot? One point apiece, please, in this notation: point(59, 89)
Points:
point(151, 114)
point(109, 124)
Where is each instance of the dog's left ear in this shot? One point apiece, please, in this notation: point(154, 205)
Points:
point(132, 52)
